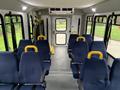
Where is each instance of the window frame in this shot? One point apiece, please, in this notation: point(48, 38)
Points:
point(4, 33)
point(95, 22)
point(14, 39)
point(56, 24)
point(29, 27)
point(87, 21)
point(107, 31)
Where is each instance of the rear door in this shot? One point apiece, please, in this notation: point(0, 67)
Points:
point(60, 30)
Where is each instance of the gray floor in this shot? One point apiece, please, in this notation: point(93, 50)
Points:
point(60, 77)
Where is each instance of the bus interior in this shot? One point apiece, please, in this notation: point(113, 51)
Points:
point(60, 45)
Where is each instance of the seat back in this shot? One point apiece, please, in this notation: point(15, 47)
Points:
point(72, 40)
point(89, 39)
point(8, 68)
point(30, 67)
point(23, 43)
point(115, 75)
point(21, 47)
point(43, 46)
point(94, 74)
point(80, 51)
point(99, 46)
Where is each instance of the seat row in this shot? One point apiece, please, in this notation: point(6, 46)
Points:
point(95, 74)
point(89, 64)
point(79, 51)
point(42, 44)
point(30, 75)
point(43, 47)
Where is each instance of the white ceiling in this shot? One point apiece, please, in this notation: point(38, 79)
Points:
point(62, 3)
point(109, 6)
point(15, 5)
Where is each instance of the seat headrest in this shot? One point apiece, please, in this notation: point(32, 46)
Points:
point(100, 54)
point(41, 37)
point(80, 38)
point(31, 47)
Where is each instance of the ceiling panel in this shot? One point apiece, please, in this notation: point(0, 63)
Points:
point(63, 3)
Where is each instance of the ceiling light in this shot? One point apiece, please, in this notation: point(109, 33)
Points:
point(24, 8)
point(93, 9)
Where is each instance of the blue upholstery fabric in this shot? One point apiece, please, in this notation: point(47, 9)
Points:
point(43, 46)
point(75, 69)
point(21, 47)
point(79, 53)
point(8, 68)
point(25, 87)
point(99, 46)
point(30, 68)
point(30, 87)
point(89, 39)
point(115, 75)
point(72, 41)
point(94, 74)
point(39, 87)
point(6, 87)
point(23, 43)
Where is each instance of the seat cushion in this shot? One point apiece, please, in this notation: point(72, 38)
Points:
point(39, 87)
point(30, 68)
point(6, 87)
point(26, 87)
point(31, 87)
point(95, 74)
point(80, 51)
point(8, 68)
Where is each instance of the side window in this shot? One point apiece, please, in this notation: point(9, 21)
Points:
point(8, 32)
point(30, 26)
point(18, 28)
point(2, 44)
point(14, 24)
point(100, 28)
point(89, 24)
point(114, 42)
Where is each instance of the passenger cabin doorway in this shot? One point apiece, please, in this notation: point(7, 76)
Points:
point(60, 30)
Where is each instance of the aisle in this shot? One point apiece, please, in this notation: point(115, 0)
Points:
point(60, 77)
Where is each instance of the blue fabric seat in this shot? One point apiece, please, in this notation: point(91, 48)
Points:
point(43, 47)
point(89, 39)
point(71, 42)
point(7, 87)
point(99, 46)
point(25, 87)
point(8, 71)
point(21, 47)
point(30, 87)
point(24, 43)
point(94, 74)
point(79, 53)
point(115, 76)
point(30, 70)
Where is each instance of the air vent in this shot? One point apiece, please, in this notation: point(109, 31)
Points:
point(61, 11)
